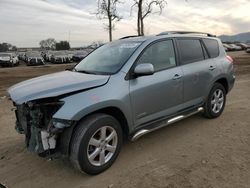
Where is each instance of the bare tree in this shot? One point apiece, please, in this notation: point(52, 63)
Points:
point(107, 9)
point(48, 44)
point(145, 8)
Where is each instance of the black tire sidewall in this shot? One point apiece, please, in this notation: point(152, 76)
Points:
point(93, 126)
point(208, 111)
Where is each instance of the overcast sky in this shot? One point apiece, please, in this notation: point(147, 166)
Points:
point(25, 22)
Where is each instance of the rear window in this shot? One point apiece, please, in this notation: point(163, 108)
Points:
point(212, 47)
point(190, 50)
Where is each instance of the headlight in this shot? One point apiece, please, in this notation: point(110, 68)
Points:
point(61, 123)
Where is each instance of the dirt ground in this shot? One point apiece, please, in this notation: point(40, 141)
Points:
point(196, 152)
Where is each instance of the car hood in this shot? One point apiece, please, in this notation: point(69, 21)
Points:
point(53, 85)
point(5, 58)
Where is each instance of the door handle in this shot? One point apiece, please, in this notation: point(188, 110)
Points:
point(176, 77)
point(212, 67)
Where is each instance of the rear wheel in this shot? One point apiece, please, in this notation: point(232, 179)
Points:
point(216, 101)
point(96, 143)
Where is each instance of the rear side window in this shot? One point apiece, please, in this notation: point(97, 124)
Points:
point(212, 47)
point(190, 50)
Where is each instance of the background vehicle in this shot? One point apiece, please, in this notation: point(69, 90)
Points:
point(8, 59)
point(21, 56)
point(243, 46)
point(235, 47)
point(126, 88)
point(80, 55)
point(228, 47)
point(34, 58)
point(60, 57)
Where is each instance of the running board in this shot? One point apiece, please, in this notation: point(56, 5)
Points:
point(142, 132)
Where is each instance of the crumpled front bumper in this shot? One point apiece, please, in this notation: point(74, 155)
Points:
point(37, 139)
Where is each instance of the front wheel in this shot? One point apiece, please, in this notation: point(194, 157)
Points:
point(96, 143)
point(216, 101)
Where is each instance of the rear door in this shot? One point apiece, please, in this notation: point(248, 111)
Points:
point(160, 94)
point(198, 70)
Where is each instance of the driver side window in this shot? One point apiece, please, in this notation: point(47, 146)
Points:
point(161, 55)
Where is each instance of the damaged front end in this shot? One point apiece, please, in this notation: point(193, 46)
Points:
point(35, 120)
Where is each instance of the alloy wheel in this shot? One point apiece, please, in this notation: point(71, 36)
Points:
point(217, 101)
point(102, 146)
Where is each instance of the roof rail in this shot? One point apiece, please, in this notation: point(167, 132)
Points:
point(126, 37)
point(185, 32)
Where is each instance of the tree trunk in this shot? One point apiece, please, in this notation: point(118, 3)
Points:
point(142, 27)
point(138, 24)
point(139, 18)
point(110, 22)
point(110, 29)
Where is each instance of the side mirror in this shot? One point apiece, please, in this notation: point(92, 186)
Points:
point(144, 69)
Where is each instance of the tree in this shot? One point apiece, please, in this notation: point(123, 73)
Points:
point(63, 45)
point(48, 44)
point(145, 8)
point(4, 47)
point(106, 9)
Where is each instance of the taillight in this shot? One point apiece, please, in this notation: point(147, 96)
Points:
point(230, 59)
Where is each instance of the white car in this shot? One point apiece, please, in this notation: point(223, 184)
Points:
point(8, 59)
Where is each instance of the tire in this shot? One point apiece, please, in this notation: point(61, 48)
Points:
point(210, 111)
point(81, 149)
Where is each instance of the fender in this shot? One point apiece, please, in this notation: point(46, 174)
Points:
point(81, 104)
point(221, 76)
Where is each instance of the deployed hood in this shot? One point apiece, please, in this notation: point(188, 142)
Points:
point(53, 85)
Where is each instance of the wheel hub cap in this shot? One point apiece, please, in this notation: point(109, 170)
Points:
point(217, 101)
point(102, 146)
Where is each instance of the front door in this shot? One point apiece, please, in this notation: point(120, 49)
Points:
point(160, 94)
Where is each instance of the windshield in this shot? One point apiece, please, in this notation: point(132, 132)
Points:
point(109, 58)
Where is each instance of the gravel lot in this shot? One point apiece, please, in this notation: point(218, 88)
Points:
point(196, 152)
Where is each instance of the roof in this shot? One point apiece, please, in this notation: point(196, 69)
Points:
point(167, 33)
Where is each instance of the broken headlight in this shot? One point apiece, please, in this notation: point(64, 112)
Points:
point(61, 123)
point(41, 112)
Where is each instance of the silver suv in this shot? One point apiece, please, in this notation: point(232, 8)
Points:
point(124, 89)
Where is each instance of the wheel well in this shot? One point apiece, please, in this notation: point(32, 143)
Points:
point(223, 81)
point(65, 138)
point(118, 115)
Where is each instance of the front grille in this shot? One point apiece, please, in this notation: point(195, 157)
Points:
point(32, 133)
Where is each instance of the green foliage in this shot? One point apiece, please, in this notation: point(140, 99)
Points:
point(62, 45)
point(4, 47)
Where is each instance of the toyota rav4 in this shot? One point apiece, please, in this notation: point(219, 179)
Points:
point(124, 89)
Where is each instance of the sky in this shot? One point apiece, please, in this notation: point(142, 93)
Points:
point(25, 23)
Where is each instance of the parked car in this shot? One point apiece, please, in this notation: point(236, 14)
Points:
point(243, 46)
point(47, 56)
point(60, 57)
point(34, 58)
point(21, 56)
point(225, 48)
point(228, 47)
point(125, 88)
point(235, 47)
point(8, 59)
point(248, 50)
point(80, 55)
